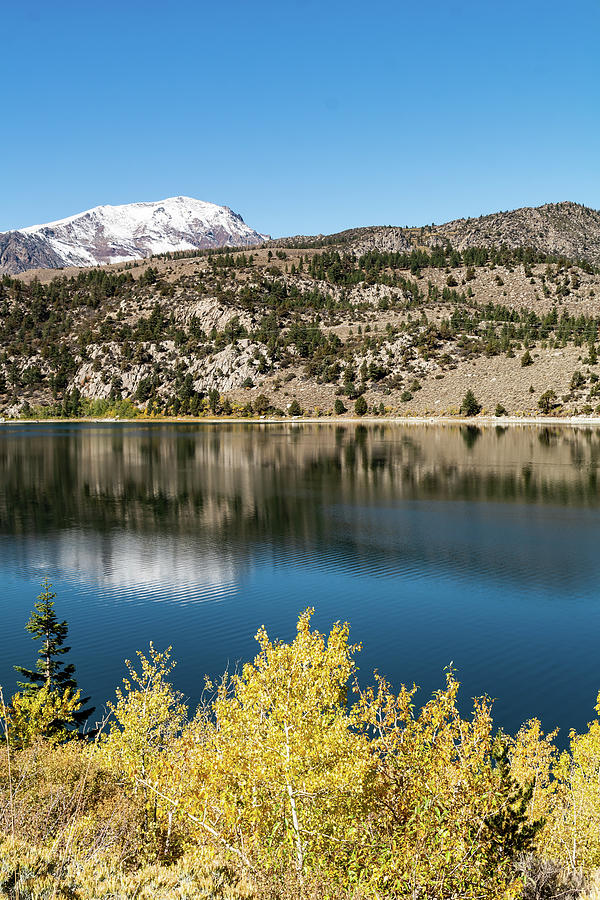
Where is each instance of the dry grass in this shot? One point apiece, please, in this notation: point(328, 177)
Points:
point(31, 873)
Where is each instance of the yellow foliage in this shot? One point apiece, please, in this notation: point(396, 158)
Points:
point(147, 718)
point(437, 795)
point(286, 777)
point(44, 712)
point(147, 715)
point(37, 874)
point(277, 772)
point(572, 835)
point(533, 757)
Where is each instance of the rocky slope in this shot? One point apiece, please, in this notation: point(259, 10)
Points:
point(20, 252)
point(109, 234)
point(353, 240)
point(563, 229)
point(264, 330)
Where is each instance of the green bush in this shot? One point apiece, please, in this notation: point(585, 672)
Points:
point(261, 405)
point(360, 407)
point(526, 359)
point(547, 401)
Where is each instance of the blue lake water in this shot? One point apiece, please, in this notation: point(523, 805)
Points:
point(476, 547)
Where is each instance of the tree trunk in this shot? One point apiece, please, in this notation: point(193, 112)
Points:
point(295, 823)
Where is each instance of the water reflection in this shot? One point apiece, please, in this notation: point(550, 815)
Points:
point(233, 488)
point(159, 478)
point(465, 543)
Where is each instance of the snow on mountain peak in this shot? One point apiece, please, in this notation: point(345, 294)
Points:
point(109, 234)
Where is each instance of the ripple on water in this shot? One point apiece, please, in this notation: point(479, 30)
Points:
point(437, 549)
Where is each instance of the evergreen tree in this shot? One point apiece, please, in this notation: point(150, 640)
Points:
point(547, 401)
point(360, 407)
point(261, 405)
point(214, 399)
point(50, 670)
point(526, 359)
point(470, 406)
point(510, 830)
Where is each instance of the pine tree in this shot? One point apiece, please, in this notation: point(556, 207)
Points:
point(360, 407)
point(49, 670)
point(470, 406)
point(510, 829)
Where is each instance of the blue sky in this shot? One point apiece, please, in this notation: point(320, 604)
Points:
point(305, 117)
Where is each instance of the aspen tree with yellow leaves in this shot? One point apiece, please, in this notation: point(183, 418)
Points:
point(445, 813)
point(283, 772)
point(146, 719)
point(294, 780)
point(278, 770)
point(573, 832)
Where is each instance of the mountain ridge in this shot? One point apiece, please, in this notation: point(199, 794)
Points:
point(119, 233)
point(113, 234)
point(567, 229)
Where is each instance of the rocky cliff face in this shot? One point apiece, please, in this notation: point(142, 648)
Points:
point(19, 252)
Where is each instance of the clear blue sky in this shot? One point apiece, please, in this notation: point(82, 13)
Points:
point(305, 117)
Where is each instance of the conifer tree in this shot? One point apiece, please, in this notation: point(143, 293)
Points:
point(470, 406)
point(49, 670)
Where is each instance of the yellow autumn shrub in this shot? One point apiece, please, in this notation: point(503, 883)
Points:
point(572, 835)
point(277, 771)
point(45, 712)
point(294, 777)
point(285, 774)
point(146, 720)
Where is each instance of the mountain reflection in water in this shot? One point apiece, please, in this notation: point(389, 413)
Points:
point(476, 545)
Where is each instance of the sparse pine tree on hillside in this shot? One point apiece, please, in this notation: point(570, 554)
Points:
point(526, 359)
point(547, 401)
point(360, 407)
point(470, 405)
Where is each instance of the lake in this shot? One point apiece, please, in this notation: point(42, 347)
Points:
point(476, 547)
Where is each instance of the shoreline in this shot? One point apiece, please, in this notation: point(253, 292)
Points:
point(483, 421)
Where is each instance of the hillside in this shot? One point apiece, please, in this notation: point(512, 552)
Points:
point(108, 234)
point(252, 333)
point(562, 229)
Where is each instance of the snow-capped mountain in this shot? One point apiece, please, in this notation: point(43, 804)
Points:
point(109, 234)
